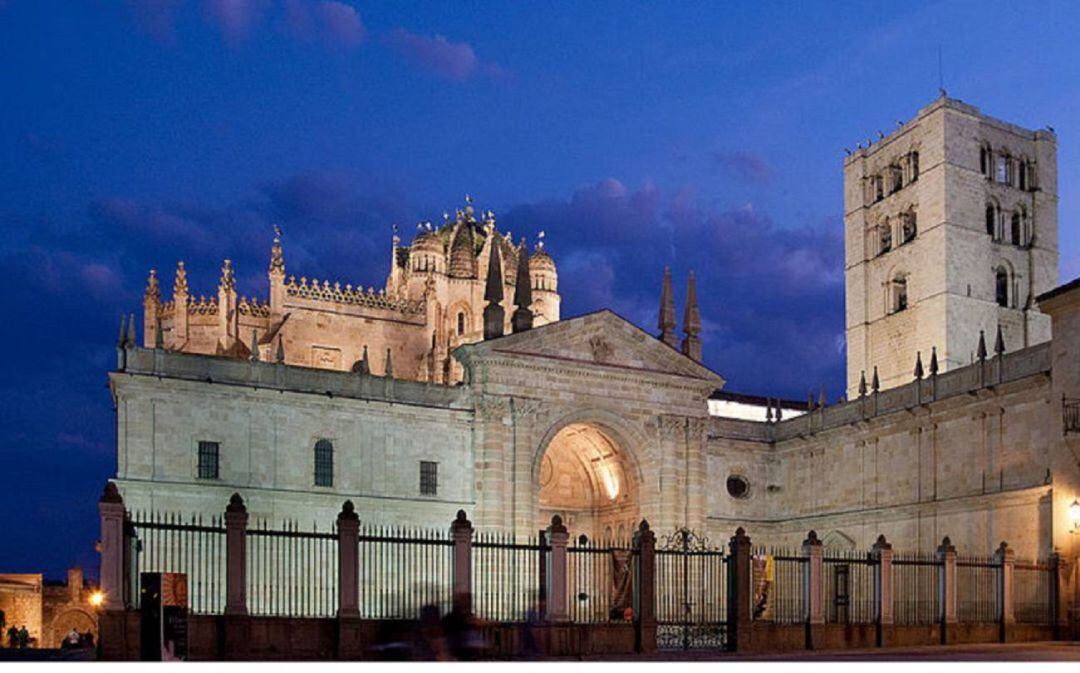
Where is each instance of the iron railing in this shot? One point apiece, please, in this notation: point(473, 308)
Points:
point(599, 578)
point(779, 586)
point(291, 572)
point(165, 542)
point(978, 589)
point(1033, 592)
point(916, 585)
point(508, 577)
point(403, 570)
point(1070, 411)
point(849, 587)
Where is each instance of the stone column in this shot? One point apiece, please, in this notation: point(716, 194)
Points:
point(113, 581)
point(348, 526)
point(883, 589)
point(947, 587)
point(1007, 558)
point(739, 594)
point(236, 518)
point(461, 532)
point(645, 589)
point(558, 609)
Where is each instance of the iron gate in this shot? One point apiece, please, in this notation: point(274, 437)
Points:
point(691, 592)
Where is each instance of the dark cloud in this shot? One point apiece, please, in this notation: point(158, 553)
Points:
point(453, 60)
point(747, 166)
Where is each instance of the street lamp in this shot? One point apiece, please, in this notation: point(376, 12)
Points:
point(97, 598)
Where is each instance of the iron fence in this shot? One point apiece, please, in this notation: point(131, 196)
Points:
point(508, 577)
point(916, 585)
point(291, 572)
point(849, 587)
point(1033, 591)
point(691, 593)
point(402, 570)
point(779, 586)
point(978, 590)
point(599, 578)
point(164, 542)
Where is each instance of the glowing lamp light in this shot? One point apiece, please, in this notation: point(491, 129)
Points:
point(1074, 515)
point(97, 598)
point(611, 482)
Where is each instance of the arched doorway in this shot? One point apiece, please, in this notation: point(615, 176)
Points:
point(588, 479)
point(72, 619)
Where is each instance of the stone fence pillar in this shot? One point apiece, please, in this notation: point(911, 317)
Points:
point(113, 580)
point(236, 519)
point(946, 554)
point(740, 595)
point(1007, 558)
point(813, 579)
point(461, 532)
point(645, 589)
point(1059, 595)
point(882, 552)
point(348, 530)
point(558, 609)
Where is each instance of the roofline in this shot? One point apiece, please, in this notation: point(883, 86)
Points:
point(746, 398)
point(1059, 290)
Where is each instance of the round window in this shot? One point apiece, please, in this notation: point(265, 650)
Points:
point(738, 486)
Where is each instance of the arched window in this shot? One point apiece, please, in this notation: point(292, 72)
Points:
point(1021, 170)
point(899, 292)
point(909, 226)
point(461, 323)
point(879, 188)
point(984, 160)
point(324, 463)
point(1016, 228)
point(991, 220)
point(896, 177)
point(884, 238)
point(1001, 287)
point(914, 166)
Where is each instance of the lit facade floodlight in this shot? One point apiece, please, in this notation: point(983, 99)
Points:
point(97, 598)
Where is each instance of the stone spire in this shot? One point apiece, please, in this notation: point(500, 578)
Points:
point(523, 317)
point(462, 259)
point(918, 365)
point(389, 373)
point(153, 289)
point(254, 346)
point(131, 331)
point(981, 352)
point(280, 359)
point(862, 384)
point(277, 255)
point(122, 340)
point(875, 384)
point(180, 286)
point(667, 322)
point(152, 310)
point(999, 343)
point(363, 366)
point(933, 361)
point(494, 315)
point(691, 345)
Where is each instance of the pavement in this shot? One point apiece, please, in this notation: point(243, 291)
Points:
point(1043, 651)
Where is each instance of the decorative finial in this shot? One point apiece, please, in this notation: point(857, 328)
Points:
point(180, 286)
point(918, 365)
point(389, 373)
point(254, 346)
point(153, 290)
point(494, 314)
point(875, 384)
point(122, 340)
point(277, 256)
point(280, 350)
point(131, 331)
point(981, 352)
point(522, 319)
point(540, 240)
point(667, 322)
point(862, 384)
point(228, 278)
point(933, 361)
point(999, 343)
point(691, 345)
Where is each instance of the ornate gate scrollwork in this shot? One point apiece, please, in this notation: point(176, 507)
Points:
point(691, 592)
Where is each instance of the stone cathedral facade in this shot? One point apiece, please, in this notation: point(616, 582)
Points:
point(458, 385)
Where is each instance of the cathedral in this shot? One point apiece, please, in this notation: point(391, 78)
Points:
point(458, 384)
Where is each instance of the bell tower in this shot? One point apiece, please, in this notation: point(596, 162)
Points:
point(950, 228)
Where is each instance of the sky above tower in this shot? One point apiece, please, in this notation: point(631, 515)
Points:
point(703, 136)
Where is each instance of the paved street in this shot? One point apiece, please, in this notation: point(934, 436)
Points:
point(1047, 651)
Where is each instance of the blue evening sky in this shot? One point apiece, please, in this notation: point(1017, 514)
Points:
point(705, 136)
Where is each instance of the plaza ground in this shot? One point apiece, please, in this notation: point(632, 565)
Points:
point(1045, 651)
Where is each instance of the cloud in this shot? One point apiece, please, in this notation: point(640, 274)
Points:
point(234, 18)
point(453, 60)
point(749, 167)
point(333, 23)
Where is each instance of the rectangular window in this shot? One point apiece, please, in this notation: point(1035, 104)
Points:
point(324, 463)
point(208, 460)
point(429, 477)
point(1002, 170)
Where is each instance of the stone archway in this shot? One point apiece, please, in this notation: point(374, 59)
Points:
point(586, 475)
point(72, 618)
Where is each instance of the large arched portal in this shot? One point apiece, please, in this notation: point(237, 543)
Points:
point(587, 479)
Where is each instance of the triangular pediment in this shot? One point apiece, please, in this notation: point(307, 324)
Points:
point(600, 339)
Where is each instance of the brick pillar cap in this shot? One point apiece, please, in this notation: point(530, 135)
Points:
point(348, 512)
point(946, 545)
point(812, 539)
point(740, 536)
point(644, 533)
point(111, 493)
point(236, 505)
point(461, 521)
point(1003, 547)
point(882, 543)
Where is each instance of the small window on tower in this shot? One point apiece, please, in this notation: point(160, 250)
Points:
point(984, 161)
point(899, 294)
point(914, 161)
point(324, 463)
point(884, 239)
point(910, 228)
point(1016, 227)
point(1001, 170)
point(991, 221)
point(1001, 287)
point(461, 323)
